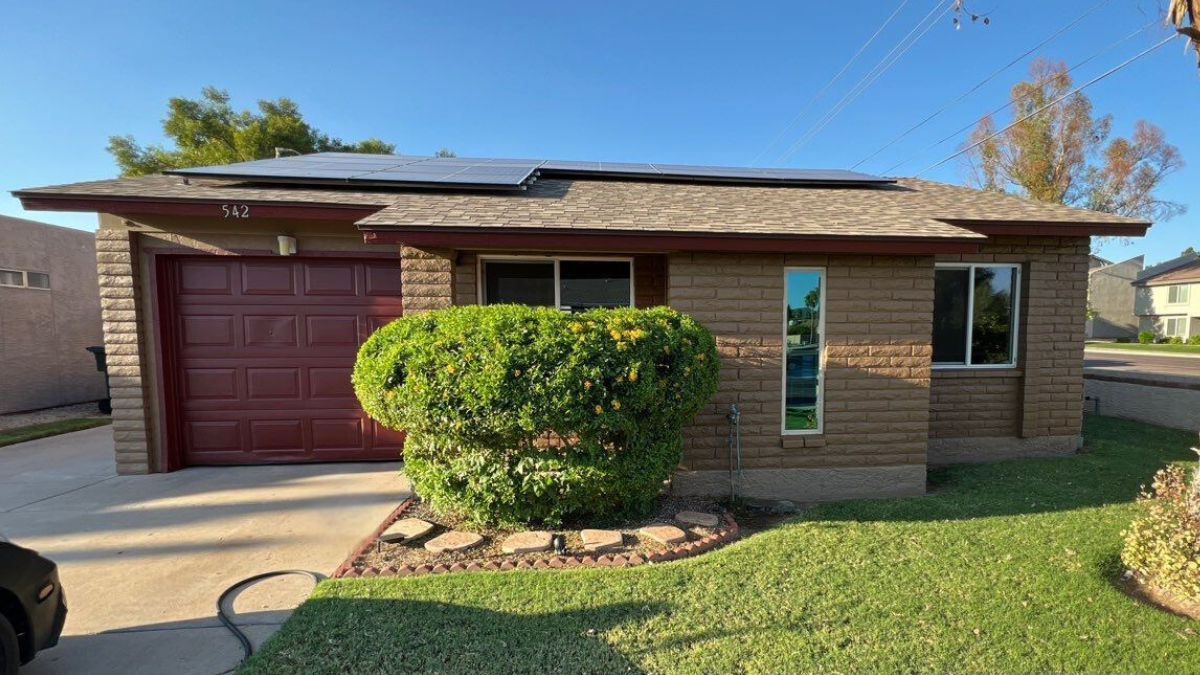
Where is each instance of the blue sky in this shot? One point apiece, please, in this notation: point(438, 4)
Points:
point(678, 82)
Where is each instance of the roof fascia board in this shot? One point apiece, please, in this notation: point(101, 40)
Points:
point(575, 240)
point(201, 208)
point(1051, 228)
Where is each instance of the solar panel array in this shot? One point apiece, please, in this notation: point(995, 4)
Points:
point(354, 169)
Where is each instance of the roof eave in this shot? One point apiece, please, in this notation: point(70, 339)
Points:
point(566, 239)
point(204, 208)
point(1042, 228)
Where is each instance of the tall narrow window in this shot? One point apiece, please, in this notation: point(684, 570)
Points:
point(802, 347)
point(975, 315)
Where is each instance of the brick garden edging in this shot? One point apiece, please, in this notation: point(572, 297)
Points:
point(692, 548)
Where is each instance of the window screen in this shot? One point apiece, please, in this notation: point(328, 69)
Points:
point(584, 284)
point(519, 282)
point(950, 315)
point(38, 280)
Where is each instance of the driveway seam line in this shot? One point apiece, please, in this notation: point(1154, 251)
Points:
point(38, 501)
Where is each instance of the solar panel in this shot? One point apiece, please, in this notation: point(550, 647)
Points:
point(349, 168)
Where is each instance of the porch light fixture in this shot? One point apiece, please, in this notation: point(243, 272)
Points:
point(287, 245)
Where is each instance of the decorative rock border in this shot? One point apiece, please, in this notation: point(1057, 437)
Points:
point(690, 549)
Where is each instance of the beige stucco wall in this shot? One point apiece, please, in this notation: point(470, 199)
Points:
point(1111, 300)
point(44, 333)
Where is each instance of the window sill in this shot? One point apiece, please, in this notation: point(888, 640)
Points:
point(802, 439)
point(978, 371)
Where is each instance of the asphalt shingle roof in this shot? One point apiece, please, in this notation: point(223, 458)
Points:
point(910, 208)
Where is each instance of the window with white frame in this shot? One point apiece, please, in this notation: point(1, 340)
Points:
point(571, 284)
point(1175, 326)
point(22, 279)
point(1178, 295)
point(803, 342)
point(975, 309)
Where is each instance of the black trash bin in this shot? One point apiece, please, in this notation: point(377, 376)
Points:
point(105, 404)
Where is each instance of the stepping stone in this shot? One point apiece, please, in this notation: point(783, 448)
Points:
point(406, 529)
point(601, 540)
point(664, 534)
point(527, 542)
point(697, 518)
point(453, 541)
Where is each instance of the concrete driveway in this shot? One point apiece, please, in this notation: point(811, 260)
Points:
point(143, 558)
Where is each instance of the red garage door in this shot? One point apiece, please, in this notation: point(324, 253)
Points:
point(262, 354)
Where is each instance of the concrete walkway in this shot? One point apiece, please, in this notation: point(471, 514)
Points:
point(143, 558)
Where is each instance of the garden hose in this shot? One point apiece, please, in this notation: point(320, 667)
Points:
point(247, 648)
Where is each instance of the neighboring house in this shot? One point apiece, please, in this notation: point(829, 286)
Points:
point(867, 327)
point(1110, 299)
point(1168, 299)
point(1095, 261)
point(49, 316)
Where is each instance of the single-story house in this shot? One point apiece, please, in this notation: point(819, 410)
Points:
point(49, 316)
point(868, 327)
point(1167, 301)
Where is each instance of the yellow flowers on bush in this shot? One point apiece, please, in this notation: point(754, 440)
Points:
point(614, 387)
point(1163, 545)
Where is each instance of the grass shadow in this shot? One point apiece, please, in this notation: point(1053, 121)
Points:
point(381, 635)
point(1105, 473)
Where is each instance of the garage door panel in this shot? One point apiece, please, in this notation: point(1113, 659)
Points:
point(330, 279)
point(383, 279)
point(215, 330)
point(268, 278)
point(270, 330)
point(333, 331)
point(331, 383)
point(205, 277)
point(277, 436)
point(337, 434)
point(213, 436)
point(273, 383)
point(266, 348)
point(210, 383)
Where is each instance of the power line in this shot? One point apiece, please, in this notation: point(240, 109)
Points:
point(828, 84)
point(1017, 100)
point(865, 83)
point(1052, 103)
point(985, 80)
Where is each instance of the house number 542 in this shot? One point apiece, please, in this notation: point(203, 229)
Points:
point(235, 210)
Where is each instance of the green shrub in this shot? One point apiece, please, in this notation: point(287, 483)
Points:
point(1173, 340)
point(1123, 340)
point(1146, 337)
point(521, 414)
point(1194, 340)
point(1163, 545)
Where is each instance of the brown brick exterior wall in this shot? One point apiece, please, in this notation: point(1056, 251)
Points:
point(426, 278)
point(877, 324)
point(124, 341)
point(965, 403)
point(1043, 397)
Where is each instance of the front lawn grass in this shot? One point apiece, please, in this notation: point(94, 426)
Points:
point(1139, 347)
point(1004, 568)
point(35, 431)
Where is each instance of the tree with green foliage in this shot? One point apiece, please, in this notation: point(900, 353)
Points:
point(446, 152)
point(208, 131)
point(1063, 154)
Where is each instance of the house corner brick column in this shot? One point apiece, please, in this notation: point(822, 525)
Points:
point(1053, 336)
point(426, 278)
point(121, 305)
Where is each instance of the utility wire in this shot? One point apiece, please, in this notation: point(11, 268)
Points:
point(1015, 101)
point(828, 84)
point(985, 80)
point(865, 83)
point(1052, 103)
